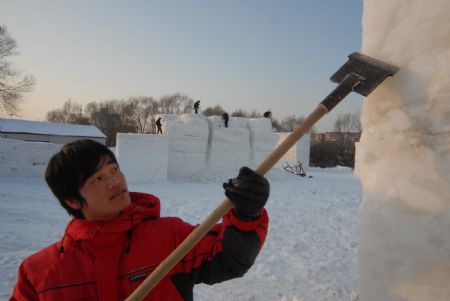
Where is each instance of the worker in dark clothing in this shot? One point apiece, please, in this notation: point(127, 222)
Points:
point(196, 106)
point(159, 125)
point(267, 114)
point(225, 118)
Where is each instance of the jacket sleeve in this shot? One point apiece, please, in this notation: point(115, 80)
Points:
point(23, 290)
point(226, 252)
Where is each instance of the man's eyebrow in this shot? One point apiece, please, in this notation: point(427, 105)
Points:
point(111, 161)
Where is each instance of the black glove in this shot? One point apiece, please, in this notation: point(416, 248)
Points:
point(249, 193)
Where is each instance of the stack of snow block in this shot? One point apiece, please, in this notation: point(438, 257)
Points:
point(143, 158)
point(262, 140)
point(188, 139)
point(228, 148)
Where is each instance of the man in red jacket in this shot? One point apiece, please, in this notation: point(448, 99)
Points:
point(117, 237)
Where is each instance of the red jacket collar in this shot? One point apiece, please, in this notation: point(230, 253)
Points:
point(143, 206)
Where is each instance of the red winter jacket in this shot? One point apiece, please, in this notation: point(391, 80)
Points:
point(108, 260)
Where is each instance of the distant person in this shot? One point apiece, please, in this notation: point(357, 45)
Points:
point(116, 237)
point(225, 119)
point(159, 125)
point(196, 106)
point(267, 114)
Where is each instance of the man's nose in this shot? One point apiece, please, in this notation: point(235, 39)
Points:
point(113, 181)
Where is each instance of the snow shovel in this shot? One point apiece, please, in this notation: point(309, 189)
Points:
point(360, 73)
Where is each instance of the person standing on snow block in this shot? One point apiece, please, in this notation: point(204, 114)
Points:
point(117, 238)
point(159, 125)
point(267, 114)
point(196, 106)
point(225, 118)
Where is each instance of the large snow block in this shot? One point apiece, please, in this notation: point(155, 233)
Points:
point(262, 140)
point(143, 158)
point(298, 152)
point(25, 159)
point(404, 155)
point(228, 148)
point(188, 138)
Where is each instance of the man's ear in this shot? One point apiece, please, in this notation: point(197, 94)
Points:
point(73, 203)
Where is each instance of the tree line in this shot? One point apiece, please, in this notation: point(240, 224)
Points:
point(137, 114)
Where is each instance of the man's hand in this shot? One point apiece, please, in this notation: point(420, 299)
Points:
point(249, 193)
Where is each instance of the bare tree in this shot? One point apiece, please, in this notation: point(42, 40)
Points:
point(175, 104)
point(239, 113)
point(186, 103)
point(106, 117)
point(290, 123)
point(213, 111)
point(348, 122)
point(12, 83)
point(71, 112)
point(145, 108)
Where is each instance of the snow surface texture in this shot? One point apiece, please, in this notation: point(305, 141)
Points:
point(310, 252)
point(404, 154)
point(145, 157)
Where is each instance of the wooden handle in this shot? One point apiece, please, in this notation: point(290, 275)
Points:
point(194, 237)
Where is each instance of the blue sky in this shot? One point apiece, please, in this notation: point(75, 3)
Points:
point(248, 54)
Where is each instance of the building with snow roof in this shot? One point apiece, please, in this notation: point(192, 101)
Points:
point(38, 131)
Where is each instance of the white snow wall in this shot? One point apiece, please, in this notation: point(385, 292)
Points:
point(195, 142)
point(404, 154)
point(228, 148)
point(188, 139)
point(142, 158)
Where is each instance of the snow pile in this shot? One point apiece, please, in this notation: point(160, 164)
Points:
point(142, 158)
point(404, 154)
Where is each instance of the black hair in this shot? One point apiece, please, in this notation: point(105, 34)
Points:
point(68, 170)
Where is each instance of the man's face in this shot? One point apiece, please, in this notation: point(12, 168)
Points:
point(105, 192)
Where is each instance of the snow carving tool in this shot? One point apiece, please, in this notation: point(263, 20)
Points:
point(360, 73)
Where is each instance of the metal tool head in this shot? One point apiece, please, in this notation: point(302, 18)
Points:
point(372, 71)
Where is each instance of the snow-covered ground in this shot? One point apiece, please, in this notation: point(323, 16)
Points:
point(310, 253)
